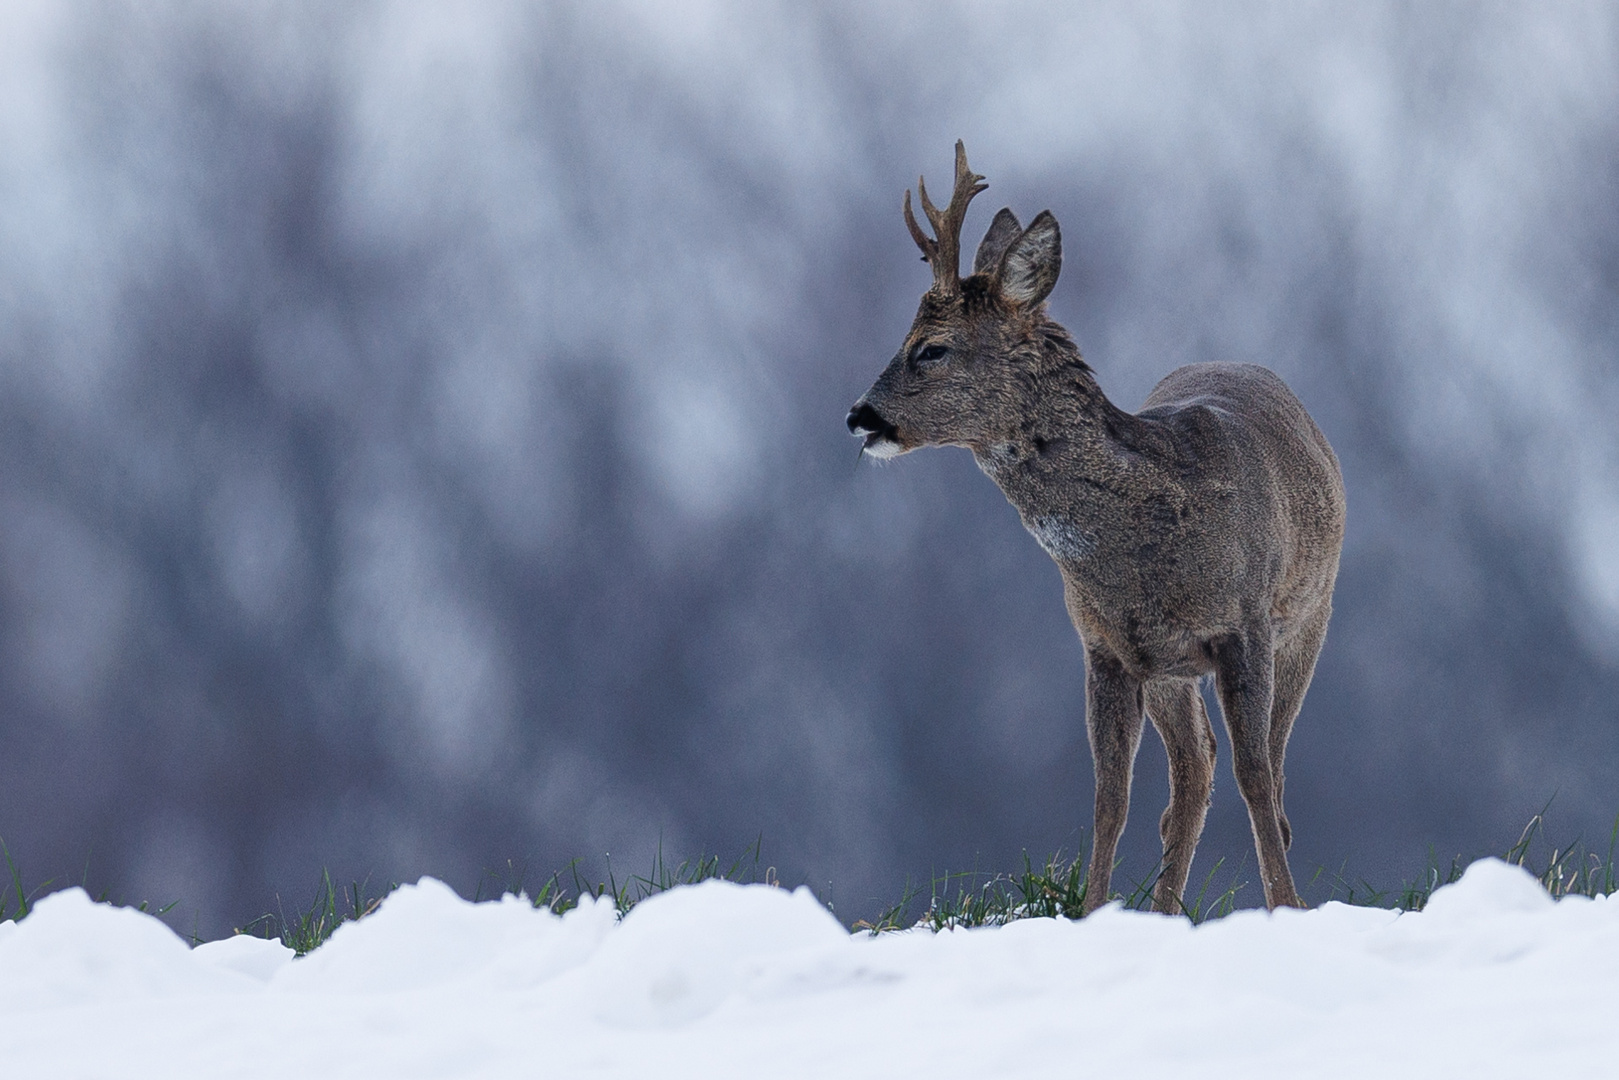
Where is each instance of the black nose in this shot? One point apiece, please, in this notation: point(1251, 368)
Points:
point(863, 420)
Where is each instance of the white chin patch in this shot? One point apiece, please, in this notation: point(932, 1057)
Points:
point(884, 448)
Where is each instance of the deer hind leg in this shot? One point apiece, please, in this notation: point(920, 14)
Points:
point(1113, 719)
point(1244, 673)
point(1176, 710)
point(1295, 665)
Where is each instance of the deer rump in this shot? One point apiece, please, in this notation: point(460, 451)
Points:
point(1200, 536)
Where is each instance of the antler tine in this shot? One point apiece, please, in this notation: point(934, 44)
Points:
point(929, 248)
point(933, 213)
point(944, 252)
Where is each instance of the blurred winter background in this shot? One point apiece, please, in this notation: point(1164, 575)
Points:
point(421, 427)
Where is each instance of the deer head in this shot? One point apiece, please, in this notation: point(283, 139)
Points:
point(975, 343)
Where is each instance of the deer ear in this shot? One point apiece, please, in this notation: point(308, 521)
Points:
point(1032, 262)
point(1002, 231)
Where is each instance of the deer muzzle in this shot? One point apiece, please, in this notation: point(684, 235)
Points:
point(881, 436)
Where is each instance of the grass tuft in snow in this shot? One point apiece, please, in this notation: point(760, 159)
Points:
point(1055, 889)
point(23, 898)
point(1572, 870)
point(307, 930)
point(16, 901)
point(1412, 895)
point(1575, 870)
point(556, 895)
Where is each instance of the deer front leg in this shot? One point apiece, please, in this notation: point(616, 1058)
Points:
point(1113, 719)
point(1244, 676)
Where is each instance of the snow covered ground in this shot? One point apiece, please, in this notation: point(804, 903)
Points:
point(1493, 979)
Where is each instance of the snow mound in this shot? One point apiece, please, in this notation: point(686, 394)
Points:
point(424, 935)
point(1493, 979)
point(1489, 888)
point(246, 955)
point(679, 954)
point(72, 950)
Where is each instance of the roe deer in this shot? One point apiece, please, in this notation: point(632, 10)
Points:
point(1199, 536)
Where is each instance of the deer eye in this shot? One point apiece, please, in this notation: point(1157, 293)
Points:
point(928, 354)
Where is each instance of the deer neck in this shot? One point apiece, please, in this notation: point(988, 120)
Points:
point(1059, 419)
point(1070, 458)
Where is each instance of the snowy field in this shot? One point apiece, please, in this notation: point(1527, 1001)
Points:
point(1493, 979)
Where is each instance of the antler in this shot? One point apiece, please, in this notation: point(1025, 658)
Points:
point(944, 253)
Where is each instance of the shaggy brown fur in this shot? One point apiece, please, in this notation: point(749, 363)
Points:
point(1197, 537)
